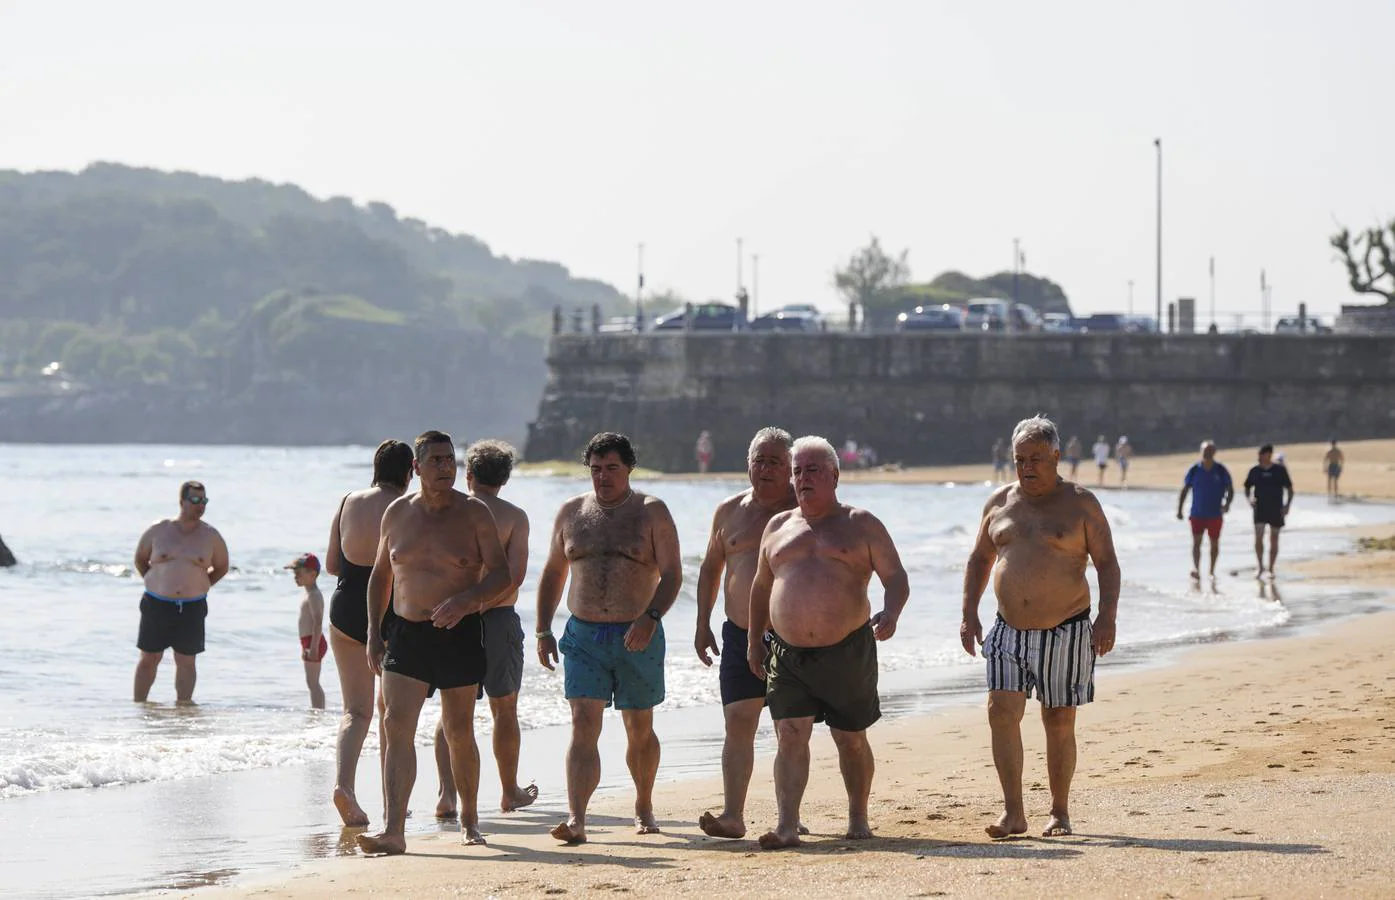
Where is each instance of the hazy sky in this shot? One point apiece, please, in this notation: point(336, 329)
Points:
point(572, 131)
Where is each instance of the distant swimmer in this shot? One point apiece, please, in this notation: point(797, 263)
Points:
point(1332, 463)
point(703, 451)
point(1123, 452)
point(313, 646)
point(620, 548)
point(1273, 495)
point(440, 564)
point(734, 548)
point(1212, 490)
point(1073, 455)
point(1100, 451)
point(1034, 540)
point(180, 560)
point(353, 538)
point(810, 590)
point(1000, 461)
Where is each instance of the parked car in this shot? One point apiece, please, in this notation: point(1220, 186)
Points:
point(706, 317)
point(992, 315)
point(944, 317)
point(1116, 323)
point(1294, 325)
point(793, 317)
point(1058, 323)
point(618, 325)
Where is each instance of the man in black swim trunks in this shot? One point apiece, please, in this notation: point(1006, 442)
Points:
point(353, 535)
point(1273, 495)
point(810, 589)
point(441, 562)
point(734, 546)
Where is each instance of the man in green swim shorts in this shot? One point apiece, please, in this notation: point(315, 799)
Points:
point(810, 590)
point(621, 549)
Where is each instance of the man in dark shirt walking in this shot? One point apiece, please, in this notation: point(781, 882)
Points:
point(1273, 495)
point(1212, 491)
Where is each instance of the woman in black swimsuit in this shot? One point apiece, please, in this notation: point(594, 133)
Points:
point(356, 524)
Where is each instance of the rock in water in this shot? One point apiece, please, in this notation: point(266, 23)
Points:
point(6, 557)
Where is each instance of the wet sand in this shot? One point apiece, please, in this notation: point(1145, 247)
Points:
point(1263, 768)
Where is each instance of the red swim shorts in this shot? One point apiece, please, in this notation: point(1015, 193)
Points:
point(305, 645)
point(1210, 526)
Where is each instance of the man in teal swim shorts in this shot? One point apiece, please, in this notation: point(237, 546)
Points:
point(621, 549)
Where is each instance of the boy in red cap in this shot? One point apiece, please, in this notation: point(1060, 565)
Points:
point(313, 645)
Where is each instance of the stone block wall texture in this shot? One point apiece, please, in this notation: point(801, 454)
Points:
point(944, 398)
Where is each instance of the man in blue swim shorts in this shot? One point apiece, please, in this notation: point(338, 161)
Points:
point(621, 549)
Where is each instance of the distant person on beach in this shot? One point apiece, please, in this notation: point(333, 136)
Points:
point(1212, 490)
point(1332, 462)
point(1100, 451)
point(353, 537)
point(1123, 452)
point(488, 465)
point(1000, 461)
point(1073, 455)
point(313, 645)
point(704, 451)
point(180, 559)
point(733, 548)
point(1034, 540)
point(440, 564)
point(621, 549)
point(1273, 495)
point(810, 591)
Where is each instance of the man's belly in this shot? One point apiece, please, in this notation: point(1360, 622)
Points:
point(737, 588)
point(1039, 587)
point(610, 589)
point(177, 578)
point(416, 592)
point(817, 605)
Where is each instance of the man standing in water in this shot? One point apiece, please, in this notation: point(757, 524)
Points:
point(1332, 462)
point(441, 563)
point(488, 465)
point(621, 548)
point(1273, 495)
point(810, 589)
point(353, 535)
point(1040, 531)
point(737, 527)
point(1212, 491)
point(180, 560)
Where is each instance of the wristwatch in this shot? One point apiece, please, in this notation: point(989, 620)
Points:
point(654, 614)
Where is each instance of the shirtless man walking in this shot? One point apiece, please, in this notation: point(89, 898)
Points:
point(621, 548)
point(1040, 531)
point(180, 560)
point(441, 562)
point(353, 535)
point(810, 589)
point(488, 465)
point(737, 527)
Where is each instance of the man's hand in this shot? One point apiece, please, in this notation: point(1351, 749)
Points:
point(640, 633)
point(704, 642)
point(376, 651)
point(883, 625)
point(1103, 640)
point(547, 652)
point(448, 613)
point(1226, 508)
point(755, 658)
point(1253, 503)
point(1179, 513)
point(971, 633)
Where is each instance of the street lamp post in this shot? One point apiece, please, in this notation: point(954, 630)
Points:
point(639, 293)
point(1130, 296)
point(1157, 142)
point(755, 285)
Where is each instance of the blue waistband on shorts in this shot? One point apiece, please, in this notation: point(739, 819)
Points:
point(179, 600)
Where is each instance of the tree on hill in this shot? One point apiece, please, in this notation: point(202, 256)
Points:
point(870, 275)
point(1365, 275)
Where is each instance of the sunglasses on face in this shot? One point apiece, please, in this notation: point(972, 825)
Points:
point(197, 501)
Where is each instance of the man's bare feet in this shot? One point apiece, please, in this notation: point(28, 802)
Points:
point(1007, 826)
point(349, 811)
point(778, 839)
point(382, 844)
point(645, 823)
point(446, 810)
point(570, 832)
point(859, 831)
point(723, 826)
point(1195, 575)
point(1057, 826)
point(470, 836)
point(519, 798)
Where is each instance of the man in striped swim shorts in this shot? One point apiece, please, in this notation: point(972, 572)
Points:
point(1034, 539)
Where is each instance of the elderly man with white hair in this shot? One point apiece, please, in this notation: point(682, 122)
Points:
point(810, 590)
point(1035, 538)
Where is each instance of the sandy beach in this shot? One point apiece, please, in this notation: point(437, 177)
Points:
point(1263, 768)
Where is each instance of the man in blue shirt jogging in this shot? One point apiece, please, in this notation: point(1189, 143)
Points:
point(1212, 491)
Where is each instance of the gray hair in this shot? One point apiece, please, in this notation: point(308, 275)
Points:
point(814, 442)
point(769, 435)
point(1037, 428)
point(1207, 443)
